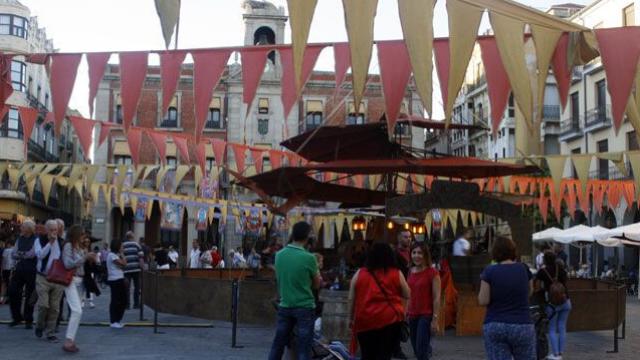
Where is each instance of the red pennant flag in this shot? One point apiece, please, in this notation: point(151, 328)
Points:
point(3, 113)
point(571, 200)
point(183, 148)
point(598, 197)
point(253, 62)
point(275, 157)
point(428, 179)
point(543, 204)
point(292, 158)
point(84, 130)
point(342, 57)
point(620, 51)
point(208, 67)
point(326, 177)
point(359, 181)
point(561, 68)
point(219, 148)
point(628, 191)
point(28, 116)
point(497, 80)
point(239, 155)
point(64, 68)
point(442, 55)
point(583, 198)
point(170, 69)
point(97, 63)
point(160, 142)
point(556, 203)
point(133, 70)
point(256, 154)
point(105, 128)
point(395, 71)
point(289, 92)
point(6, 89)
point(201, 154)
point(134, 138)
point(614, 194)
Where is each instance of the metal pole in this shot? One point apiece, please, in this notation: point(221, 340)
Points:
point(235, 294)
point(142, 295)
point(155, 305)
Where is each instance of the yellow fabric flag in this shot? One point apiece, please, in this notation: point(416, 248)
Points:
point(197, 175)
point(401, 183)
point(453, 217)
point(464, 20)
point(634, 160)
point(95, 193)
point(79, 188)
point(110, 171)
point(92, 171)
point(139, 171)
point(147, 170)
point(160, 176)
point(464, 215)
point(509, 34)
point(46, 181)
point(359, 17)
point(169, 13)
point(37, 170)
point(633, 112)
point(416, 17)
point(545, 40)
point(339, 225)
point(181, 171)
point(22, 168)
point(556, 168)
point(149, 208)
point(76, 173)
point(3, 168)
point(31, 184)
point(300, 16)
point(506, 180)
point(617, 158)
point(428, 221)
point(121, 203)
point(474, 218)
point(13, 178)
point(49, 168)
point(133, 200)
point(106, 191)
point(582, 163)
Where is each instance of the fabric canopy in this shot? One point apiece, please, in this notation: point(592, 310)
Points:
point(545, 235)
point(626, 232)
point(579, 233)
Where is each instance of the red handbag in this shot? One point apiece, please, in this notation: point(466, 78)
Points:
point(58, 274)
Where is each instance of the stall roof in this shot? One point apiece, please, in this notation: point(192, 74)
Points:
point(579, 233)
point(545, 235)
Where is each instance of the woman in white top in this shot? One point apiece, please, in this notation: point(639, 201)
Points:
point(115, 263)
point(205, 257)
point(7, 266)
point(74, 257)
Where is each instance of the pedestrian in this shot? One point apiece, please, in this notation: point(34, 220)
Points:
point(561, 254)
point(424, 304)
point(194, 255)
point(553, 279)
point(540, 257)
point(403, 260)
point(205, 257)
point(377, 297)
point(297, 274)
point(116, 262)
point(162, 259)
point(505, 288)
point(47, 250)
point(134, 255)
point(23, 280)
point(74, 257)
point(8, 264)
point(216, 259)
point(61, 236)
point(462, 246)
point(173, 257)
point(254, 259)
point(91, 270)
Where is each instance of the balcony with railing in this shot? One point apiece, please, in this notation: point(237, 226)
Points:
point(169, 123)
point(431, 138)
point(551, 113)
point(570, 129)
point(598, 118)
point(611, 173)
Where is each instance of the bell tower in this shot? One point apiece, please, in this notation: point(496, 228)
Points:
point(264, 24)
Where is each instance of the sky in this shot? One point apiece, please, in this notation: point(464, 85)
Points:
point(113, 25)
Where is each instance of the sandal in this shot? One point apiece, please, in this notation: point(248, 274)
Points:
point(70, 349)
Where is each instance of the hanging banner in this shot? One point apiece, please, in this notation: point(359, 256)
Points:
point(201, 219)
point(141, 208)
point(172, 216)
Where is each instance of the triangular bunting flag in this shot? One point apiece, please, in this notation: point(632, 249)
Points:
point(201, 155)
point(133, 71)
point(556, 168)
point(160, 142)
point(170, 69)
point(275, 157)
point(208, 66)
point(256, 154)
point(253, 62)
point(634, 160)
point(105, 129)
point(300, 16)
point(134, 139)
point(46, 181)
point(290, 93)
point(181, 171)
point(183, 148)
point(545, 40)
point(219, 150)
point(97, 63)
point(64, 68)
point(582, 163)
point(562, 69)
point(28, 116)
point(497, 80)
point(342, 60)
point(239, 156)
point(169, 13)
point(84, 131)
point(395, 71)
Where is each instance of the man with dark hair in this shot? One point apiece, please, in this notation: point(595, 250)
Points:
point(297, 274)
point(135, 257)
point(23, 280)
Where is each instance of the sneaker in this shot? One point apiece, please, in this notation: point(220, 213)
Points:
point(554, 357)
point(116, 325)
point(52, 339)
point(38, 332)
point(92, 305)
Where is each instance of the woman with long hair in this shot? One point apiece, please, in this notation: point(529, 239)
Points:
point(115, 263)
point(378, 296)
point(505, 288)
point(74, 256)
point(424, 304)
point(553, 271)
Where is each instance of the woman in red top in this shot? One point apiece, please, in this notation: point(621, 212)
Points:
point(377, 298)
point(424, 304)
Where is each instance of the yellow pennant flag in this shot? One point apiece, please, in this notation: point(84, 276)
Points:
point(464, 215)
point(149, 208)
point(617, 158)
point(197, 174)
point(37, 170)
point(169, 13)
point(76, 173)
point(300, 16)
point(453, 217)
point(106, 191)
point(90, 176)
point(136, 176)
point(95, 193)
point(160, 176)
point(556, 168)
point(181, 171)
point(110, 171)
point(79, 188)
point(634, 160)
point(359, 17)
point(121, 203)
point(46, 181)
point(13, 178)
point(133, 200)
point(545, 40)
point(3, 168)
point(30, 187)
point(582, 163)
point(474, 218)
point(23, 168)
point(49, 168)
point(428, 221)
point(147, 170)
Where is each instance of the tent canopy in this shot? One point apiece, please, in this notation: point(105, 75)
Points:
point(579, 233)
point(622, 235)
point(545, 235)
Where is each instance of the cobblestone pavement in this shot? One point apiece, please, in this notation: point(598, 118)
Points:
point(133, 342)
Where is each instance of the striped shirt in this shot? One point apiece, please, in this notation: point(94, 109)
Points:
point(132, 253)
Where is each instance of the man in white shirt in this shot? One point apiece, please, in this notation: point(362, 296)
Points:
point(462, 246)
point(194, 256)
point(173, 257)
point(47, 250)
point(540, 256)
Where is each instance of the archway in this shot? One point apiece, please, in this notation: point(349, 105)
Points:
point(264, 35)
point(121, 223)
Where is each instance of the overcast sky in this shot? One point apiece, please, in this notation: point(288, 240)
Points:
point(92, 25)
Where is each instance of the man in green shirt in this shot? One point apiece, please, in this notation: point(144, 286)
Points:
point(297, 273)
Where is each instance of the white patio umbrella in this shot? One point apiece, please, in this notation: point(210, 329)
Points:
point(579, 235)
point(622, 235)
point(545, 235)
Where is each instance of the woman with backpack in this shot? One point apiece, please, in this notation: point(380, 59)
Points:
point(553, 279)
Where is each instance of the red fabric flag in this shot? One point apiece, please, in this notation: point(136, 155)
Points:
point(64, 68)
point(239, 156)
point(497, 80)
point(598, 196)
point(556, 203)
point(395, 71)
point(275, 157)
point(183, 148)
point(253, 62)
point(160, 142)
point(561, 68)
point(614, 194)
point(342, 57)
point(133, 70)
point(359, 181)
point(97, 63)
point(28, 116)
point(543, 204)
point(84, 130)
point(201, 154)
point(105, 128)
point(628, 191)
point(620, 51)
point(3, 113)
point(583, 197)
point(292, 158)
point(256, 154)
point(208, 67)
point(170, 69)
point(134, 138)
point(442, 56)
point(571, 200)
point(219, 148)
point(6, 89)
point(289, 92)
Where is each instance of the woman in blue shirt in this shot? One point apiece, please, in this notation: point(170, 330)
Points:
point(505, 288)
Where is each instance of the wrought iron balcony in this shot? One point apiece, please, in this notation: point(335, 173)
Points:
point(169, 123)
point(598, 118)
point(551, 112)
point(570, 129)
point(213, 125)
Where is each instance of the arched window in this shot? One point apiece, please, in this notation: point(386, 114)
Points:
point(265, 36)
point(171, 118)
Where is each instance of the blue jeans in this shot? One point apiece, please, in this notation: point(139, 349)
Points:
point(420, 330)
point(504, 341)
point(558, 326)
point(289, 318)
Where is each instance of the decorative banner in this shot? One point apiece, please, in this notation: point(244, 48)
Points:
point(201, 154)
point(239, 156)
point(543, 205)
point(290, 91)
point(464, 20)
point(134, 139)
point(28, 117)
point(395, 71)
point(64, 68)
point(133, 71)
point(141, 208)
point(172, 216)
point(634, 160)
point(562, 68)
point(169, 13)
point(275, 157)
point(6, 87)
point(180, 173)
point(183, 148)
point(208, 67)
point(148, 171)
point(202, 219)
point(219, 149)
point(545, 40)
point(84, 130)
point(170, 69)
point(359, 16)
point(209, 187)
point(300, 16)
point(256, 154)
point(556, 168)
point(105, 129)
point(497, 81)
point(160, 142)
point(620, 59)
point(342, 61)
point(509, 35)
point(416, 17)
point(582, 163)
point(253, 62)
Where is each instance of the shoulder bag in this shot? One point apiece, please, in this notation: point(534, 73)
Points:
point(404, 327)
point(58, 274)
